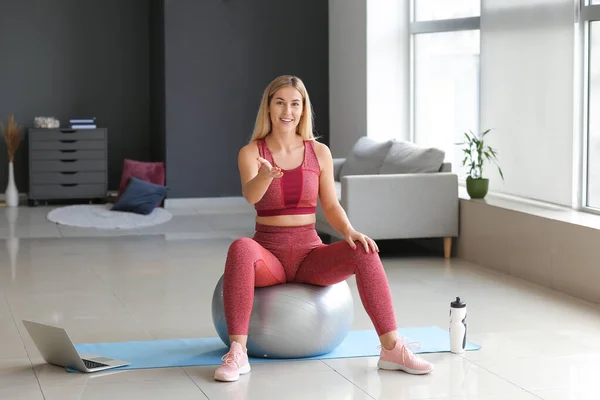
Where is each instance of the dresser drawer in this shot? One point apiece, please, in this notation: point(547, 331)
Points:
point(68, 144)
point(68, 155)
point(66, 134)
point(46, 178)
point(67, 191)
point(67, 165)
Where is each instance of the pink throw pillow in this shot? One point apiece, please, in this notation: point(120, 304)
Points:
point(153, 172)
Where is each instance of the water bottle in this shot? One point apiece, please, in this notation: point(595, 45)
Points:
point(458, 326)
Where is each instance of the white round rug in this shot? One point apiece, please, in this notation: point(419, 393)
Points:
point(101, 217)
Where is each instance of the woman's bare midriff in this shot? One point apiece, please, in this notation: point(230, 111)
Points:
point(288, 220)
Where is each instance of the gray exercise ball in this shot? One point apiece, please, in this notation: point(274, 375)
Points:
point(292, 320)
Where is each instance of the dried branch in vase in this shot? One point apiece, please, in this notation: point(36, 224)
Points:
point(12, 136)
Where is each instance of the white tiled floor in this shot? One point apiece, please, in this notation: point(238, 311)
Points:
point(158, 283)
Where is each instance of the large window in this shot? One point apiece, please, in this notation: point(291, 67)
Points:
point(445, 74)
point(591, 143)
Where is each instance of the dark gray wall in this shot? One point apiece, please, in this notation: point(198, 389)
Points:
point(220, 55)
point(175, 81)
point(67, 58)
point(157, 81)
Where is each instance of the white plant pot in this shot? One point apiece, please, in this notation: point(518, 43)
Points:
point(11, 194)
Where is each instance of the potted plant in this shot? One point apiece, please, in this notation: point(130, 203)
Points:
point(476, 153)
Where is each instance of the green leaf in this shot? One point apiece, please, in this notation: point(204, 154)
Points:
point(476, 153)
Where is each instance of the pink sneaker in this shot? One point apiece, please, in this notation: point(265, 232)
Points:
point(402, 358)
point(235, 363)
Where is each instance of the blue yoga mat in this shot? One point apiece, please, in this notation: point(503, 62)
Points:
point(208, 351)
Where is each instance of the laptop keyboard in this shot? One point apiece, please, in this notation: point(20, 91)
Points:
point(92, 364)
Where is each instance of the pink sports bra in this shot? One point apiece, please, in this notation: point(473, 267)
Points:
point(297, 191)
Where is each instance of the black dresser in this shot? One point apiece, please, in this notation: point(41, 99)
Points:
point(67, 164)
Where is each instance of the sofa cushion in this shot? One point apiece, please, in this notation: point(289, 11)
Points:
point(366, 157)
point(147, 171)
point(409, 158)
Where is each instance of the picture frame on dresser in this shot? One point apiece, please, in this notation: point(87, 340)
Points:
point(67, 164)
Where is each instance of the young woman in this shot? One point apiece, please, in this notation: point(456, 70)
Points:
point(284, 170)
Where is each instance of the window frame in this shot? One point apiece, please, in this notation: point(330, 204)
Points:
point(436, 26)
point(586, 13)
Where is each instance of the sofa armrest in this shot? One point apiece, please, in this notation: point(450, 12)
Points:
point(446, 167)
point(395, 206)
point(337, 167)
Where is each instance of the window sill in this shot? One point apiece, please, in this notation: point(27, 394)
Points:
point(535, 207)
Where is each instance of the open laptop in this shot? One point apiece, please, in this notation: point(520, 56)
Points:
point(57, 348)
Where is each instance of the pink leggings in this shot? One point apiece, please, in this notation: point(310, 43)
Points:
point(278, 255)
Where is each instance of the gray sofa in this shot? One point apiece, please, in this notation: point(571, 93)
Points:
point(396, 190)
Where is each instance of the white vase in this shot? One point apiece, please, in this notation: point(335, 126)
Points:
point(11, 194)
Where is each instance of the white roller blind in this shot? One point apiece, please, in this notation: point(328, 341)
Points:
point(527, 95)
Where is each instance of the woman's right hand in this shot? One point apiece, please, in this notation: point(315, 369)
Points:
point(266, 170)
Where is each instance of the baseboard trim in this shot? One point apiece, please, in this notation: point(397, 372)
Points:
point(212, 203)
point(22, 198)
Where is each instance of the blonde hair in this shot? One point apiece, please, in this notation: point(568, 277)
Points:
point(262, 126)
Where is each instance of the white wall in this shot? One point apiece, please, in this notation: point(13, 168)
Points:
point(527, 50)
point(388, 69)
point(368, 71)
point(347, 74)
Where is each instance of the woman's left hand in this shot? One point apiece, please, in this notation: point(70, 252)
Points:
point(367, 242)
